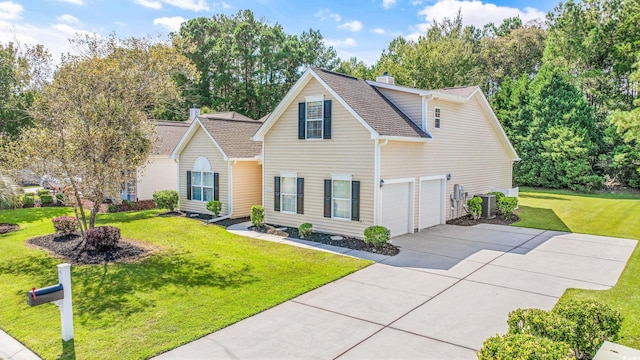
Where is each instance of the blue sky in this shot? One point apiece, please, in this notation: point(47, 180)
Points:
point(361, 28)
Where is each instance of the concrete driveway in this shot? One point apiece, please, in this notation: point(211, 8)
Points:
point(448, 290)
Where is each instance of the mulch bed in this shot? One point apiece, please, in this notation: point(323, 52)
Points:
point(346, 242)
point(5, 228)
point(498, 220)
point(228, 222)
point(71, 248)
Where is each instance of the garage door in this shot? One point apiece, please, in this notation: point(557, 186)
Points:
point(396, 210)
point(431, 206)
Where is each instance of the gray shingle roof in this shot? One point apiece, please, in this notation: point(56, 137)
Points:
point(169, 134)
point(371, 105)
point(462, 91)
point(229, 115)
point(234, 135)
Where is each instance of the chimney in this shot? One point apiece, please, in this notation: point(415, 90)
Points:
point(385, 78)
point(194, 113)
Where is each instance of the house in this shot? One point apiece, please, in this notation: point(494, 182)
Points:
point(218, 161)
point(343, 154)
point(161, 172)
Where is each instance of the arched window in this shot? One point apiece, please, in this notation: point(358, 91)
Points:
point(202, 181)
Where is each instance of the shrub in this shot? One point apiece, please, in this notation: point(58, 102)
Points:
point(475, 207)
point(305, 229)
point(103, 238)
point(131, 206)
point(499, 195)
point(215, 206)
point(506, 205)
point(257, 215)
point(60, 198)
point(523, 347)
point(29, 194)
point(595, 323)
point(166, 199)
point(65, 225)
point(27, 201)
point(9, 193)
point(542, 323)
point(43, 192)
point(46, 199)
point(376, 235)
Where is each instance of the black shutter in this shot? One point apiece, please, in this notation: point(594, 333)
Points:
point(326, 133)
point(301, 121)
point(327, 198)
point(300, 196)
point(216, 186)
point(276, 193)
point(355, 200)
point(188, 185)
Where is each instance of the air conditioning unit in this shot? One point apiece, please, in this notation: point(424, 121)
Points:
point(488, 206)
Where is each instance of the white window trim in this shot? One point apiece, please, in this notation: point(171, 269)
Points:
point(437, 110)
point(307, 100)
point(348, 178)
point(202, 186)
point(294, 175)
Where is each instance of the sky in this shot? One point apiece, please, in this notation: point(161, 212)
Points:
point(361, 28)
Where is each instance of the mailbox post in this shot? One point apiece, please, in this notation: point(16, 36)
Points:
point(59, 294)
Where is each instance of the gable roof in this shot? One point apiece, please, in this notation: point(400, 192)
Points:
point(168, 135)
point(230, 132)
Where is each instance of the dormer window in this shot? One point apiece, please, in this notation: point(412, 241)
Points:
point(314, 118)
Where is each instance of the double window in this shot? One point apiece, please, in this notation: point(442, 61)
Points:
point(202, 185)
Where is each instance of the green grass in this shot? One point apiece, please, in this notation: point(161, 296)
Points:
point(200, 280)
point(599, 214)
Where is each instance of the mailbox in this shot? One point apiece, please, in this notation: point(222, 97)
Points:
point(45, 295)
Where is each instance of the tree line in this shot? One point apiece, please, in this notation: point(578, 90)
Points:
point(564, 88)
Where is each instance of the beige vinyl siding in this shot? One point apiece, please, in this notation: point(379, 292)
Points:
point(350, 151)
point(410, 104)
point(246, 177)
point(466, 146)
point(201, 144)
point(161, 173)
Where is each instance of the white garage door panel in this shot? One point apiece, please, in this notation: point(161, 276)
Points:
point(430, 203)
point(395, 208)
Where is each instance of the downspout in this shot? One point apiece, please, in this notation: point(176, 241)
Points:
point(178, 179)
point(230, 165)
point(376, 180)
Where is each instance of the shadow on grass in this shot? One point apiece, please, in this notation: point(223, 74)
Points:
point(618, 195)
point(541, 197)
point(68, 350)
point(126, 217)
point(540, 218)
point(16, 216)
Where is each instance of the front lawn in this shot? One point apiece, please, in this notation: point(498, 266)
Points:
point(200, 280)
point(614, 215)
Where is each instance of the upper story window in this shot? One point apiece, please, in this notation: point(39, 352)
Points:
point(436, 118)
point(314, 118)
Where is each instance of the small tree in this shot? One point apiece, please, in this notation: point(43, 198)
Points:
point(215, 206)
point(166, 199)
point(475, 207)
point(257, 215)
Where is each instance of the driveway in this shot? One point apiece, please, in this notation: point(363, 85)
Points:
point(448, 290)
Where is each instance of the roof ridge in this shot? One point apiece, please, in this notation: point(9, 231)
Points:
point(337, 73)
point(232, 120)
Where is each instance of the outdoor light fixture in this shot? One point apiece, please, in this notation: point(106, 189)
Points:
point(381, 182)
point(448, 176)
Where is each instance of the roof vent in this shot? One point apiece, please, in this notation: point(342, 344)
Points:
point(385, 78)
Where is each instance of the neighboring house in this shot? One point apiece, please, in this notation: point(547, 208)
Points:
point(218, 161)
point(343, 154)
point(160, 172)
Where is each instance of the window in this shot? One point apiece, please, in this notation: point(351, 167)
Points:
point(314, 119)
point(288, 194)
point(202, 186)
point(436, 118)
point(341, 199)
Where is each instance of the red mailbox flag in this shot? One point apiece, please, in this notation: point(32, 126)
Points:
point(33, 293)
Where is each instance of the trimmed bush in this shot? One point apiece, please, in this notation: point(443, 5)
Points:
point(595, 323)
point(506, 205)
point(523, 347)
point(103, 238)
point(499, 195)
point(257, 215)
point(131, 206)
point(543, 323)
point(27, 201)
point(43, 192)
point(215, 206)
point(46, 199)
point(376, 235)
point(475, 207)
point(305, 230)
point(166, 199)
point(29, 194)
point(65, 225)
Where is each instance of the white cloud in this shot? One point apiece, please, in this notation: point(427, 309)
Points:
point(169, 23)
point(378, 31)
point(149, 4)
point(222, 5)
point(477, 13)
point(193, 5)
point(353, 26)
point(388, 3)
point(69, 19)
point(348, 42)
point(10, 10)
point(74, 2)
point(326, 14)
point(416, 2)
